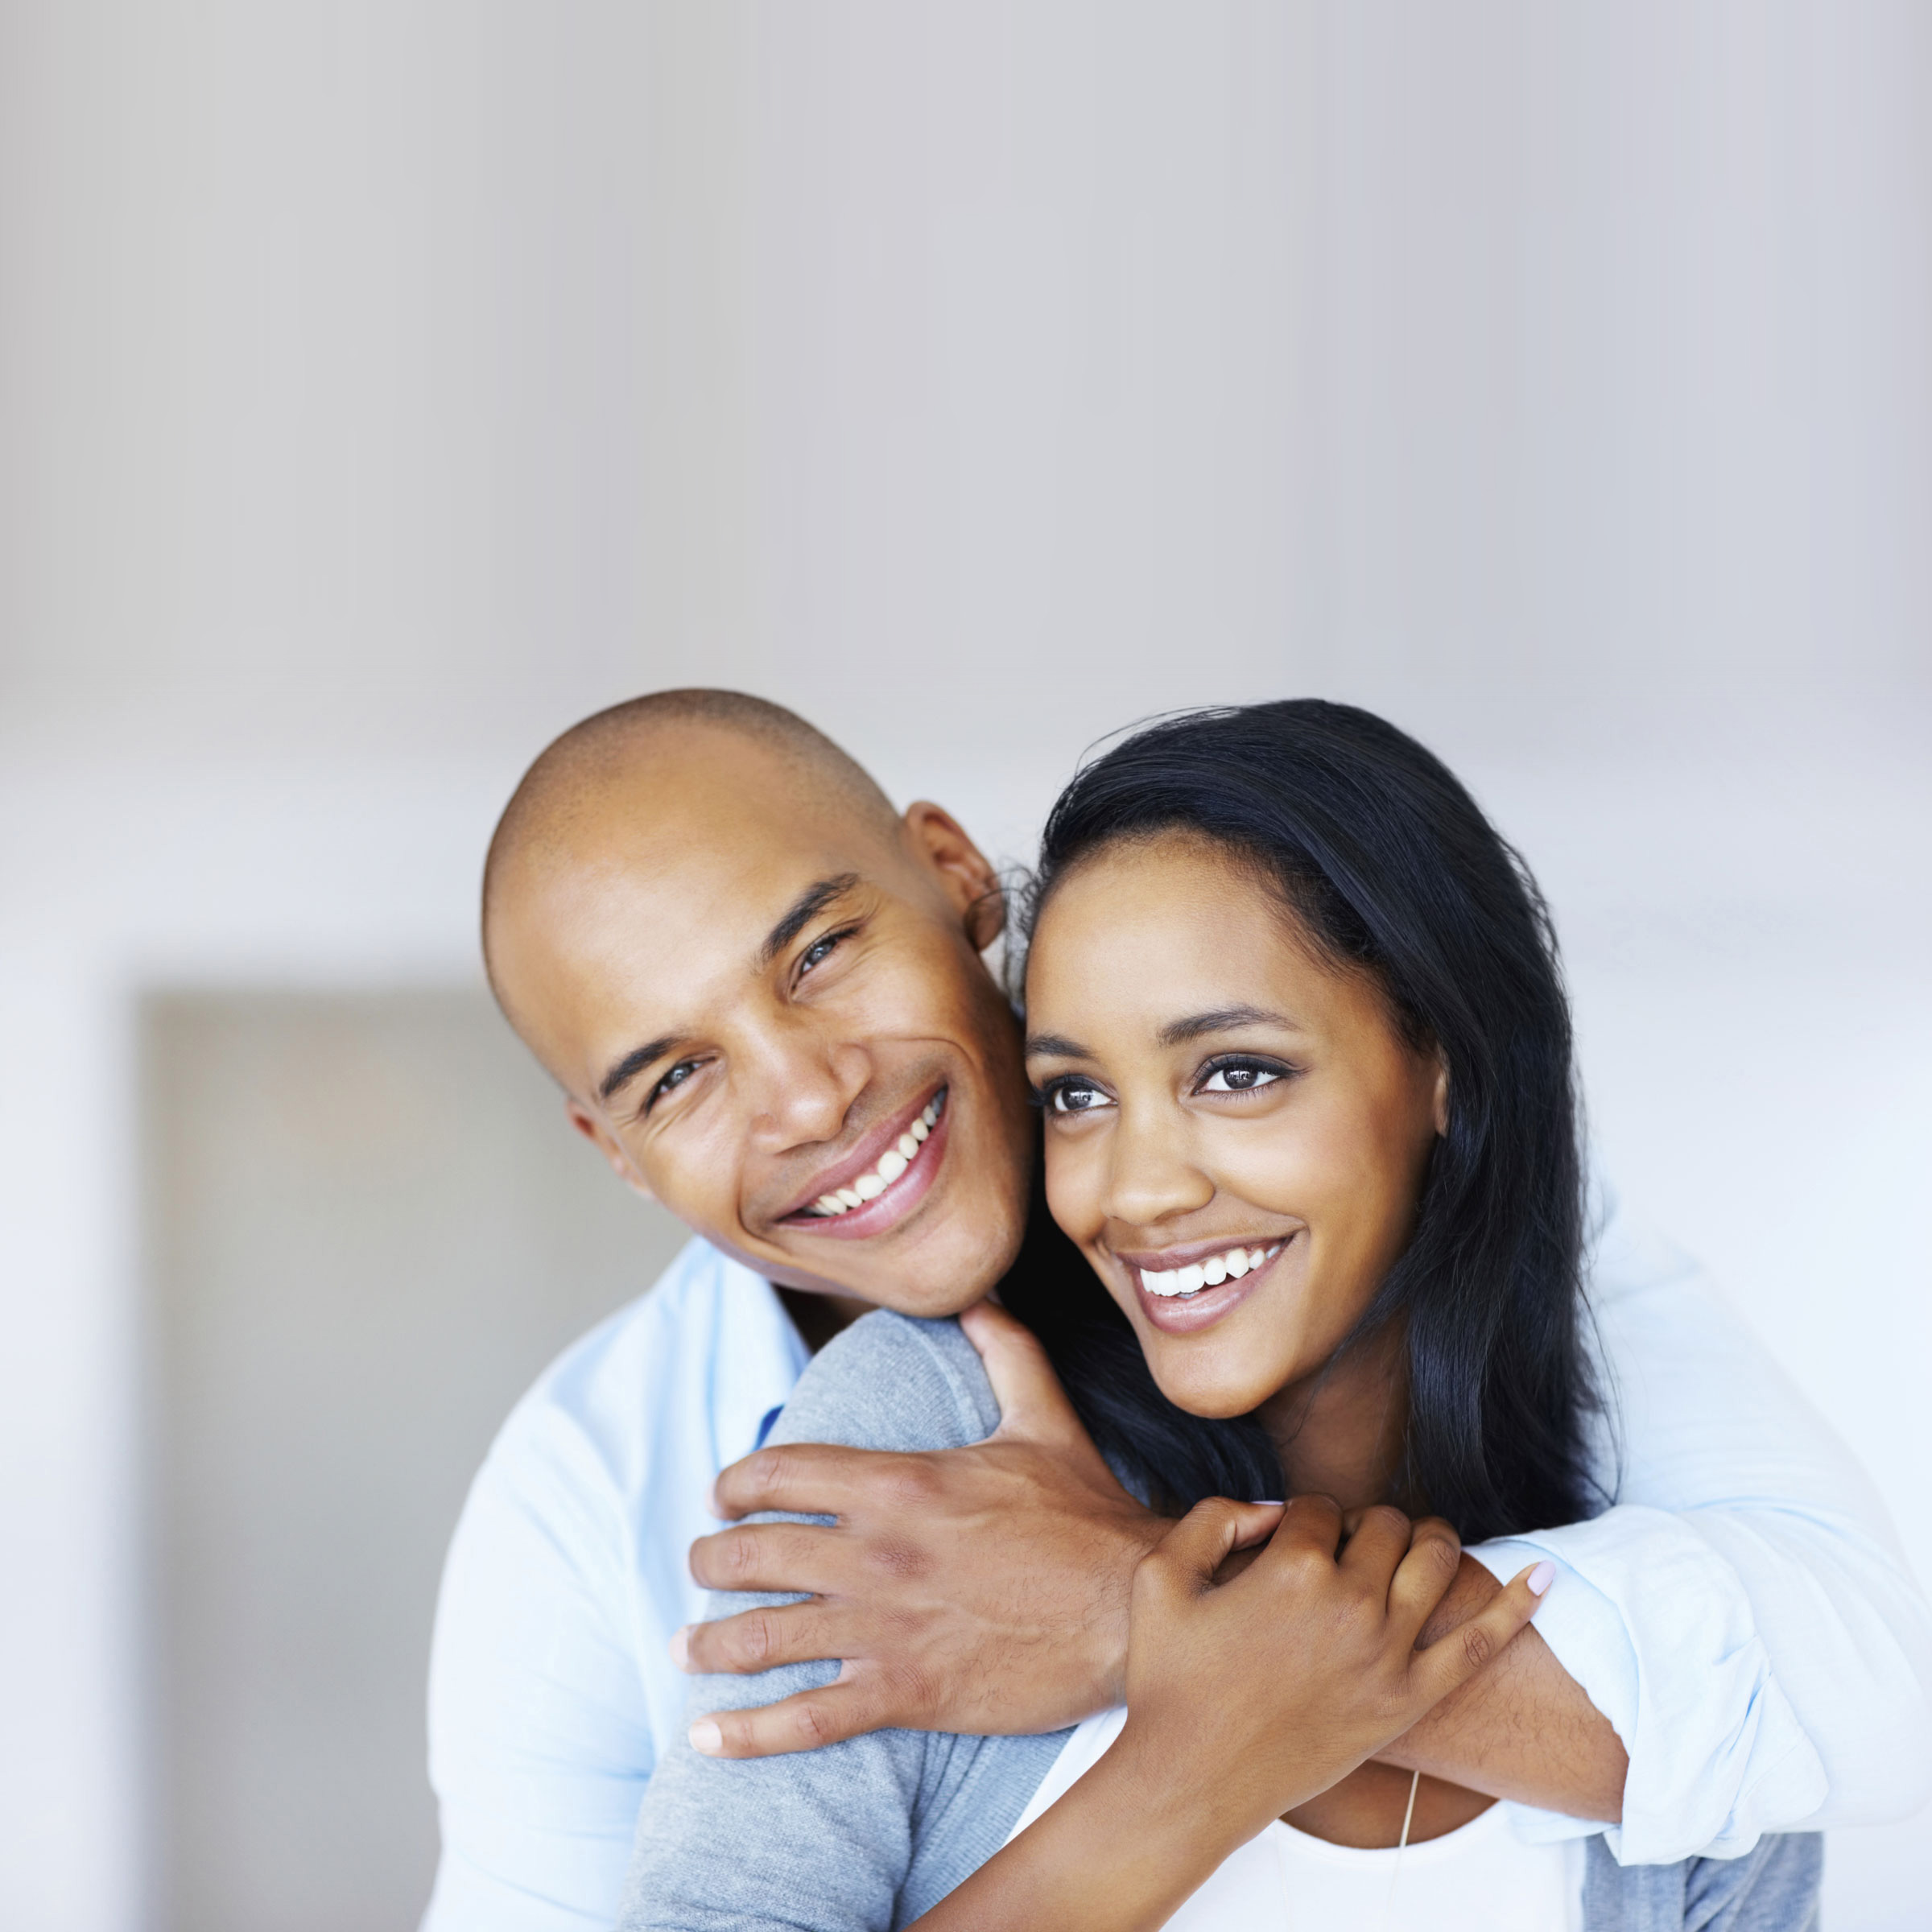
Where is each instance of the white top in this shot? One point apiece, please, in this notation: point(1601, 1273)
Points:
point(1482, 1877)
point(1743, 1616)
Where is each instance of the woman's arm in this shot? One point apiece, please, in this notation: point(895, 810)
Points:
point(1326, 1630)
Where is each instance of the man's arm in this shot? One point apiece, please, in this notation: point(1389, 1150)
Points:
point(1741, 1622)
point(1523, 1728)
point(984, 1589)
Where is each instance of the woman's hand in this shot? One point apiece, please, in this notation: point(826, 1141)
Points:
point(1248, 1697)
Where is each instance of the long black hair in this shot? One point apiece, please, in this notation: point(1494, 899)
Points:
point(1386, 862)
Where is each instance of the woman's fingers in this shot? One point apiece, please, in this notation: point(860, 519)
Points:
point(1378, 1541)
point(1452, 1660)
point(1423, 1576)
point(1184, 1560)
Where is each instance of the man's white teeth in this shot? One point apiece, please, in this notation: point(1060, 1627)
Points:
point(1210, 1274)
point(891, 1163)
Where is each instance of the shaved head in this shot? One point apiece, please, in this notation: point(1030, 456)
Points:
point(610, 750)
point(759, 986)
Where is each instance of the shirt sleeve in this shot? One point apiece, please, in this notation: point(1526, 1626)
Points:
point(1742, 1615)
point(862, 1836)
point(540, 1738)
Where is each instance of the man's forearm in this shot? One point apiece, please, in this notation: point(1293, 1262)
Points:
point(1521, 1728)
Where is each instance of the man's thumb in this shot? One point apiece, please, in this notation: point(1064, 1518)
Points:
point(1032, 1402)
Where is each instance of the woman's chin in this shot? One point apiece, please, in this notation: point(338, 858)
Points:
point(1205, 1390)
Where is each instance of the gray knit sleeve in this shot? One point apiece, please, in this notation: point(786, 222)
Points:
point(867, 1834)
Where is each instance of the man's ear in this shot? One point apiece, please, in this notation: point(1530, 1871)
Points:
point(969, 881)
point(608, 1144)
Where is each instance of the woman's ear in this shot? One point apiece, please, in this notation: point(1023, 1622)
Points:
point(969, 882)
point(608, 1144)
point(1442, 1096)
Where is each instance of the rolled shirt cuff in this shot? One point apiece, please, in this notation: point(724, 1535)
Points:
point(1655, 1627)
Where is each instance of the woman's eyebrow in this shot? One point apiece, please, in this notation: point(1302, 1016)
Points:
point(1223, 1019)
point(1057, 1046)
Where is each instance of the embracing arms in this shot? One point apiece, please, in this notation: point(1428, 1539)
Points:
point(875, 1830)
point(986, 1589)
point(1741, 1621)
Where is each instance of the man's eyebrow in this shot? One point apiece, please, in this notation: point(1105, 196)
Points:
point(1057, 1046)
point(812, 901)
point(1223, 1019)
point(804, 909)
point(633, 1064)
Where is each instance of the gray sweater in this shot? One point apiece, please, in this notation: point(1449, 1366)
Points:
point(870, 1834)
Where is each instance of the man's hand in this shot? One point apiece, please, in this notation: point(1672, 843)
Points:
point(982, 1589)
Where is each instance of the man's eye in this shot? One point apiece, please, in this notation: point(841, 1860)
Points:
point(822, 949)
point(1074, 1096)
point(1239, 1076)
point(675, 1078)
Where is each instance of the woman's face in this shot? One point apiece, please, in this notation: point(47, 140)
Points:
point(1236, 1130)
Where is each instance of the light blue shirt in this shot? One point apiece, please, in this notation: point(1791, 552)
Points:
point(1743, 1615)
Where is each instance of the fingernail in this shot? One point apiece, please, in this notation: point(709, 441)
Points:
point(1270, 1502)
point(710, 1502)
point(1541, 1578)
point(707, 1737)
point(680, 1648)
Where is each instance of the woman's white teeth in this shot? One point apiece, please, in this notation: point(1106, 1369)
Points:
point(891, 1163)
point(1210, 1274)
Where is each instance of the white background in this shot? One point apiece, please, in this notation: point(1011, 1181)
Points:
point(383, 386)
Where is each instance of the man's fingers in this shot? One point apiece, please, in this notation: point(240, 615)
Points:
point(847, 1708)
point(1452, 1660)
point(762, 1639)
point(771, 1556)
point(1032, 1402)
point(809, 1478)
point(1184, 1560)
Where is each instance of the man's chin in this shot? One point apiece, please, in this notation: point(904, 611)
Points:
point(928, 1275)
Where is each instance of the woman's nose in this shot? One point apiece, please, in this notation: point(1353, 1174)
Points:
point(1151, 1178)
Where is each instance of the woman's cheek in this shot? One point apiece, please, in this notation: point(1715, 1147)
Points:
point(1073, 1171)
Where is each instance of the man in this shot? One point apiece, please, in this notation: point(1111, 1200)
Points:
point(762, 991)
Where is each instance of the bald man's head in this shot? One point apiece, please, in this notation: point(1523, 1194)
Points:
point(611, 748)
point(746, 969)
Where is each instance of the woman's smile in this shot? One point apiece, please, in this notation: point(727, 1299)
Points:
point(1184, 1290)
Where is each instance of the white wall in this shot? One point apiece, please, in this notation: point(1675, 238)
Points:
point(382, 387)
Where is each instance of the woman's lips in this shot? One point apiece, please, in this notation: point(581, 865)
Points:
point(913, 1181)
point(1178, 1309)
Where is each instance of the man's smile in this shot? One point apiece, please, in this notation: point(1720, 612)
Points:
point(887, 1173)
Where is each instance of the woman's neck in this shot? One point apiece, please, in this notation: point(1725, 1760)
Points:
point(1340, 1430)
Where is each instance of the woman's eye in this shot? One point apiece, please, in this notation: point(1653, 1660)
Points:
point(1239, 1076)
point(1075, 1097)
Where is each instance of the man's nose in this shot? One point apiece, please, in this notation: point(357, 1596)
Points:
point(805, 1086)
point(1150, 1177)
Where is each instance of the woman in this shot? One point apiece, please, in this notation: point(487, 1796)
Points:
point(1297, 1031)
